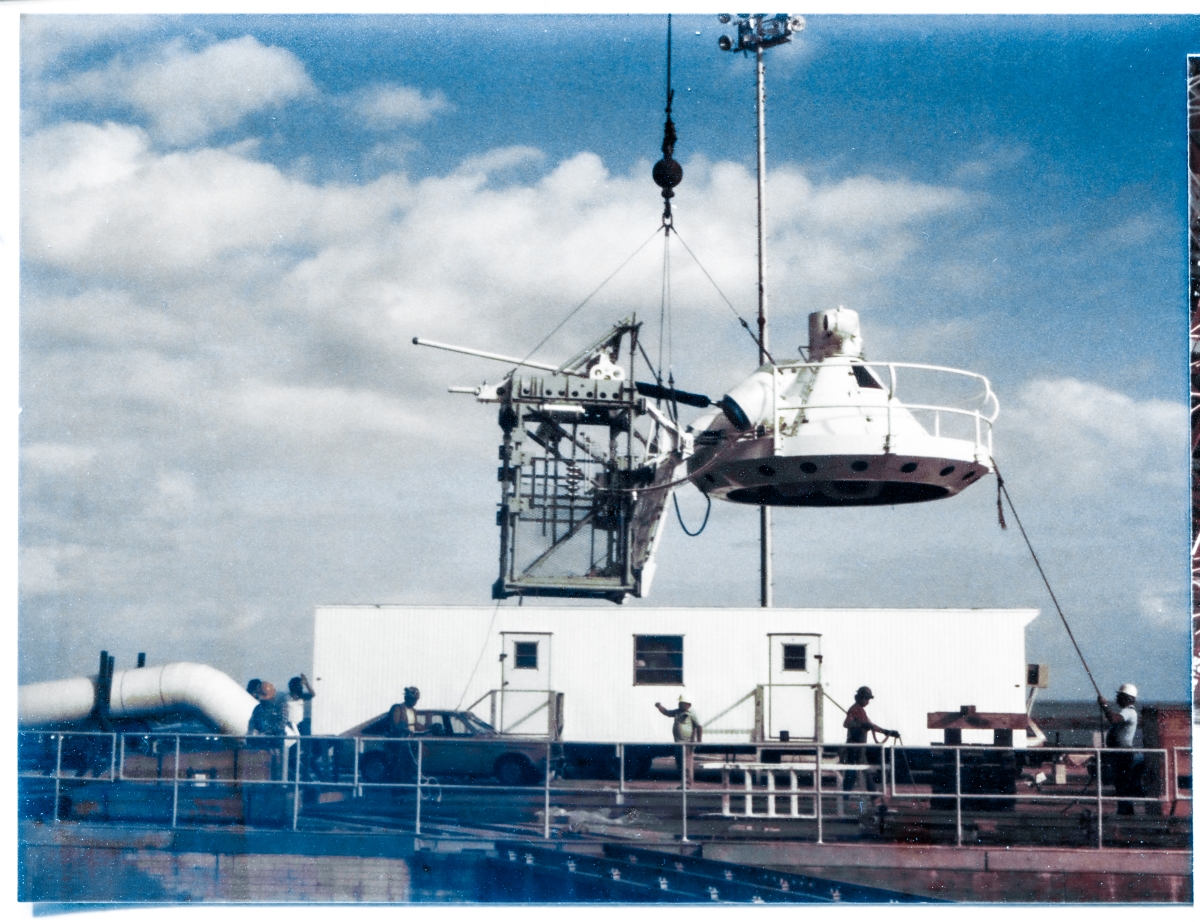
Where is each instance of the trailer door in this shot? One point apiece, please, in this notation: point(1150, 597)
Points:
point(792, 689)
point(526, 707)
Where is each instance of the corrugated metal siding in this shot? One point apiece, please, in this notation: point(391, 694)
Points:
point(916, 661)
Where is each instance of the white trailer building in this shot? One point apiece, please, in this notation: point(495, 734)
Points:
point(750, 673)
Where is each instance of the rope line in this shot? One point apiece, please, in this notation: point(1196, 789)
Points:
point(1038, 564)
point(479, 660)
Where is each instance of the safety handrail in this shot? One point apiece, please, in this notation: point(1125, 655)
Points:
point(809, 769)
point(988, 393)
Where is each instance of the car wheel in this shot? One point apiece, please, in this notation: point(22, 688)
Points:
point(513, 770)
point(373, 768)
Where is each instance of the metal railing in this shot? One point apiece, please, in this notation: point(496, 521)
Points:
point(980, 417)
point(817, 783)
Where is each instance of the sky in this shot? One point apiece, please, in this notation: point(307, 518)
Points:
point(233, 226)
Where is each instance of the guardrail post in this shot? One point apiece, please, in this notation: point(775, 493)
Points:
point(175, 787)
point(620, 774)
point(112, 760)
point(357, 780)
point(58, 778)
point(748, 799)
point(546, 799)
point(794, 786)
point(121, 764)
point(420, 753)
point(296, 786)
point(1099, 801)
point(684, 788)
point(820, 808)
point(958, 792)
point(770, 793)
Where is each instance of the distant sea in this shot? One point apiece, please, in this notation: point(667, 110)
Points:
point(1072, 723)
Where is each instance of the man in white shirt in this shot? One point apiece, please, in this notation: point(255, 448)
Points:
point(685, 729)
point(1123, 722)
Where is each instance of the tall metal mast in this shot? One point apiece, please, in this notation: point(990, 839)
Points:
point(757, 32)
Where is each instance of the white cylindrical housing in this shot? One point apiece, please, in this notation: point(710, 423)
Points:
point(53, 702)
point(754, 395)
point(834, 332)
point(141, 692)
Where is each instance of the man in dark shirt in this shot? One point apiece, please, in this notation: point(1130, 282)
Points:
point(270, 719)
point(270, 714)
point(857, 723)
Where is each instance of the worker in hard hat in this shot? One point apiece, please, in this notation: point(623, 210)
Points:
point(403, 717)
point(857, 725)
point(403, 723)
point(1123, 767)
point(685, 729)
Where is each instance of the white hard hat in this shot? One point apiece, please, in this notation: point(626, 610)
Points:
point(1128, 689)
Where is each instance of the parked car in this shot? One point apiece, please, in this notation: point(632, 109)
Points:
point(454, 743)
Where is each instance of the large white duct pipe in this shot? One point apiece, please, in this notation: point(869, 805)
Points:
point(141, 692)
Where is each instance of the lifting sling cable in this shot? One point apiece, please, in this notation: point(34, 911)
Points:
point(1003, 489)
point(595, 291)
point(740, 318)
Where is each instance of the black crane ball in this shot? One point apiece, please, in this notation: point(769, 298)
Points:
point(667, 173)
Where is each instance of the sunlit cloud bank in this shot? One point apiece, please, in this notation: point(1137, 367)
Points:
point(224, 421)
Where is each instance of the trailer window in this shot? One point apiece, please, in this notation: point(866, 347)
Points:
point(657, 659)
point(795, 657)
point(525, 654)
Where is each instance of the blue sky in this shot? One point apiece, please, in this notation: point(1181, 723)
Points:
point(233, 226)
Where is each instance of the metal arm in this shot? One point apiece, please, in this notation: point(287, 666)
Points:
point(507, 359)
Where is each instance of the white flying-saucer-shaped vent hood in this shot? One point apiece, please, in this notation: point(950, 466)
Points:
point(834, 431)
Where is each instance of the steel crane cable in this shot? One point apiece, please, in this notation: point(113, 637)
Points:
point(1003, 489)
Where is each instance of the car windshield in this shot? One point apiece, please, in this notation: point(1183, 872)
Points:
point(474, 724)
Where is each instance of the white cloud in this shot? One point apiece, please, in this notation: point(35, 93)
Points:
point(994, 157)
point(47, 40)
point(45, 569)
point(1160, 608)
point(323, 412)
point(98, 200)
point(392, 106)
point(500, 159)
point(57, 457)
point(174, 495)
point(242, 337)
point(187, 94)
point(1083, 438)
